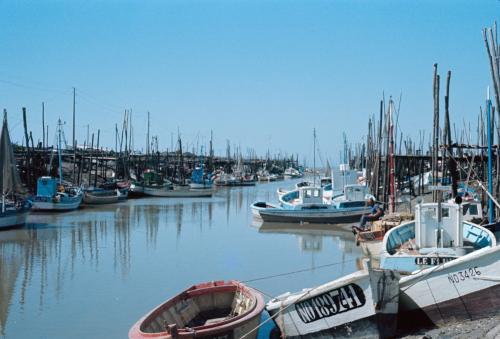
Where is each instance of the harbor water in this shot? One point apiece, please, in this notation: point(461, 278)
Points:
point(92, 273)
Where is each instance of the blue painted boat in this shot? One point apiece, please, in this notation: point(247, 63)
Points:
point(200, 179)
point(52, 196)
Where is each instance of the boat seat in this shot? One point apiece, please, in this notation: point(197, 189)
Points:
point(214, 321)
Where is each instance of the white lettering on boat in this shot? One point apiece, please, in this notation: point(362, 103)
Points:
point(432, 261)
point(333, 302)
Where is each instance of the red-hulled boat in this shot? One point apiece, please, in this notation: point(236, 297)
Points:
point(219, 309)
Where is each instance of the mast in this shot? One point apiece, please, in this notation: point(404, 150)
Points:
point(43, 125)
point(59, 156)
point(391, 159)
point(74, 140)
point(314, 157)
point(490, 155)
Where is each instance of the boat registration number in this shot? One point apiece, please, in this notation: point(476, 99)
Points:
point(471, 272)
point(333, 302)
point(432, 261)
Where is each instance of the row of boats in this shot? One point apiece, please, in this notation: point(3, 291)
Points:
point(433, 267)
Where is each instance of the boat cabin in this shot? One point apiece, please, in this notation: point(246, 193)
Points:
point(311, 195)
point(355, 192)
point(437, 235)
point(46, 187)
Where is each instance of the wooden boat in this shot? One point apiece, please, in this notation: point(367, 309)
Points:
point(291, 172)
point(308, 205)
point(451, 265)
point(210, 310)
point(360, 304)
point(98, 196)
point(14, 210)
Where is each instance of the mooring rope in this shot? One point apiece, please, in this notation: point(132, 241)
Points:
point(297, 271)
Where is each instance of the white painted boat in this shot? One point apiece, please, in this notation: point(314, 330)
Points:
point(308, 205)
point(363, 303)
point(259, 206)
point(452, 265)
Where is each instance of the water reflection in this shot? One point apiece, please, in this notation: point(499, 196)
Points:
point(108, 265)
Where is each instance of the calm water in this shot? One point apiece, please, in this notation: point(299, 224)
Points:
point(92, 273)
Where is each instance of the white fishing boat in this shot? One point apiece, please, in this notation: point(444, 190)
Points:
point(451, 265)
point(259, 206)
point(308, 205)
point(363, 303)
point(291, 172)
point(14, 210)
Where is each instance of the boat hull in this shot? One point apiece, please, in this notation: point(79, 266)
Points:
point(10, 220)
point(49, 205)
point(351, 306)
point(259, 206)
point(467, 288)
point(311, 216)
point(178, 193)
point(207, 295)
point(91, 199)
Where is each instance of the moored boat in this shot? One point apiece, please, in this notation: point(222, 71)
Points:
point(14, 209)
point(259, 206)
point(52, 196)
point(308, 205)
point(99, 196)
point(216, 309)
point(451, 265)
point(363, 303)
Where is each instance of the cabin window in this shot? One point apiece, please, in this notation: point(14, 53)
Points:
point(445, 212)
point(316, 193)
point(307, 193)
point(473, 209)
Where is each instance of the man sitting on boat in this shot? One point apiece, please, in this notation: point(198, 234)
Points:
point(377, 212)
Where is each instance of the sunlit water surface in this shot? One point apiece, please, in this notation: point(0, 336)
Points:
point(92, 273)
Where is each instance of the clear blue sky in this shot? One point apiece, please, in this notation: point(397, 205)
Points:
point(260, 73)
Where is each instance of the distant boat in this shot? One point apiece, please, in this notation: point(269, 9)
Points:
point(53, 197)
point(364, 303)
point(199, 179)
point(14, 210)
point(168, 191)
point(235, 180)
point(122, 186)
point(307, 204)
point(451, 265)
point(100, 196)
point(291, 172)
point(210, 310)
point(51, 193)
